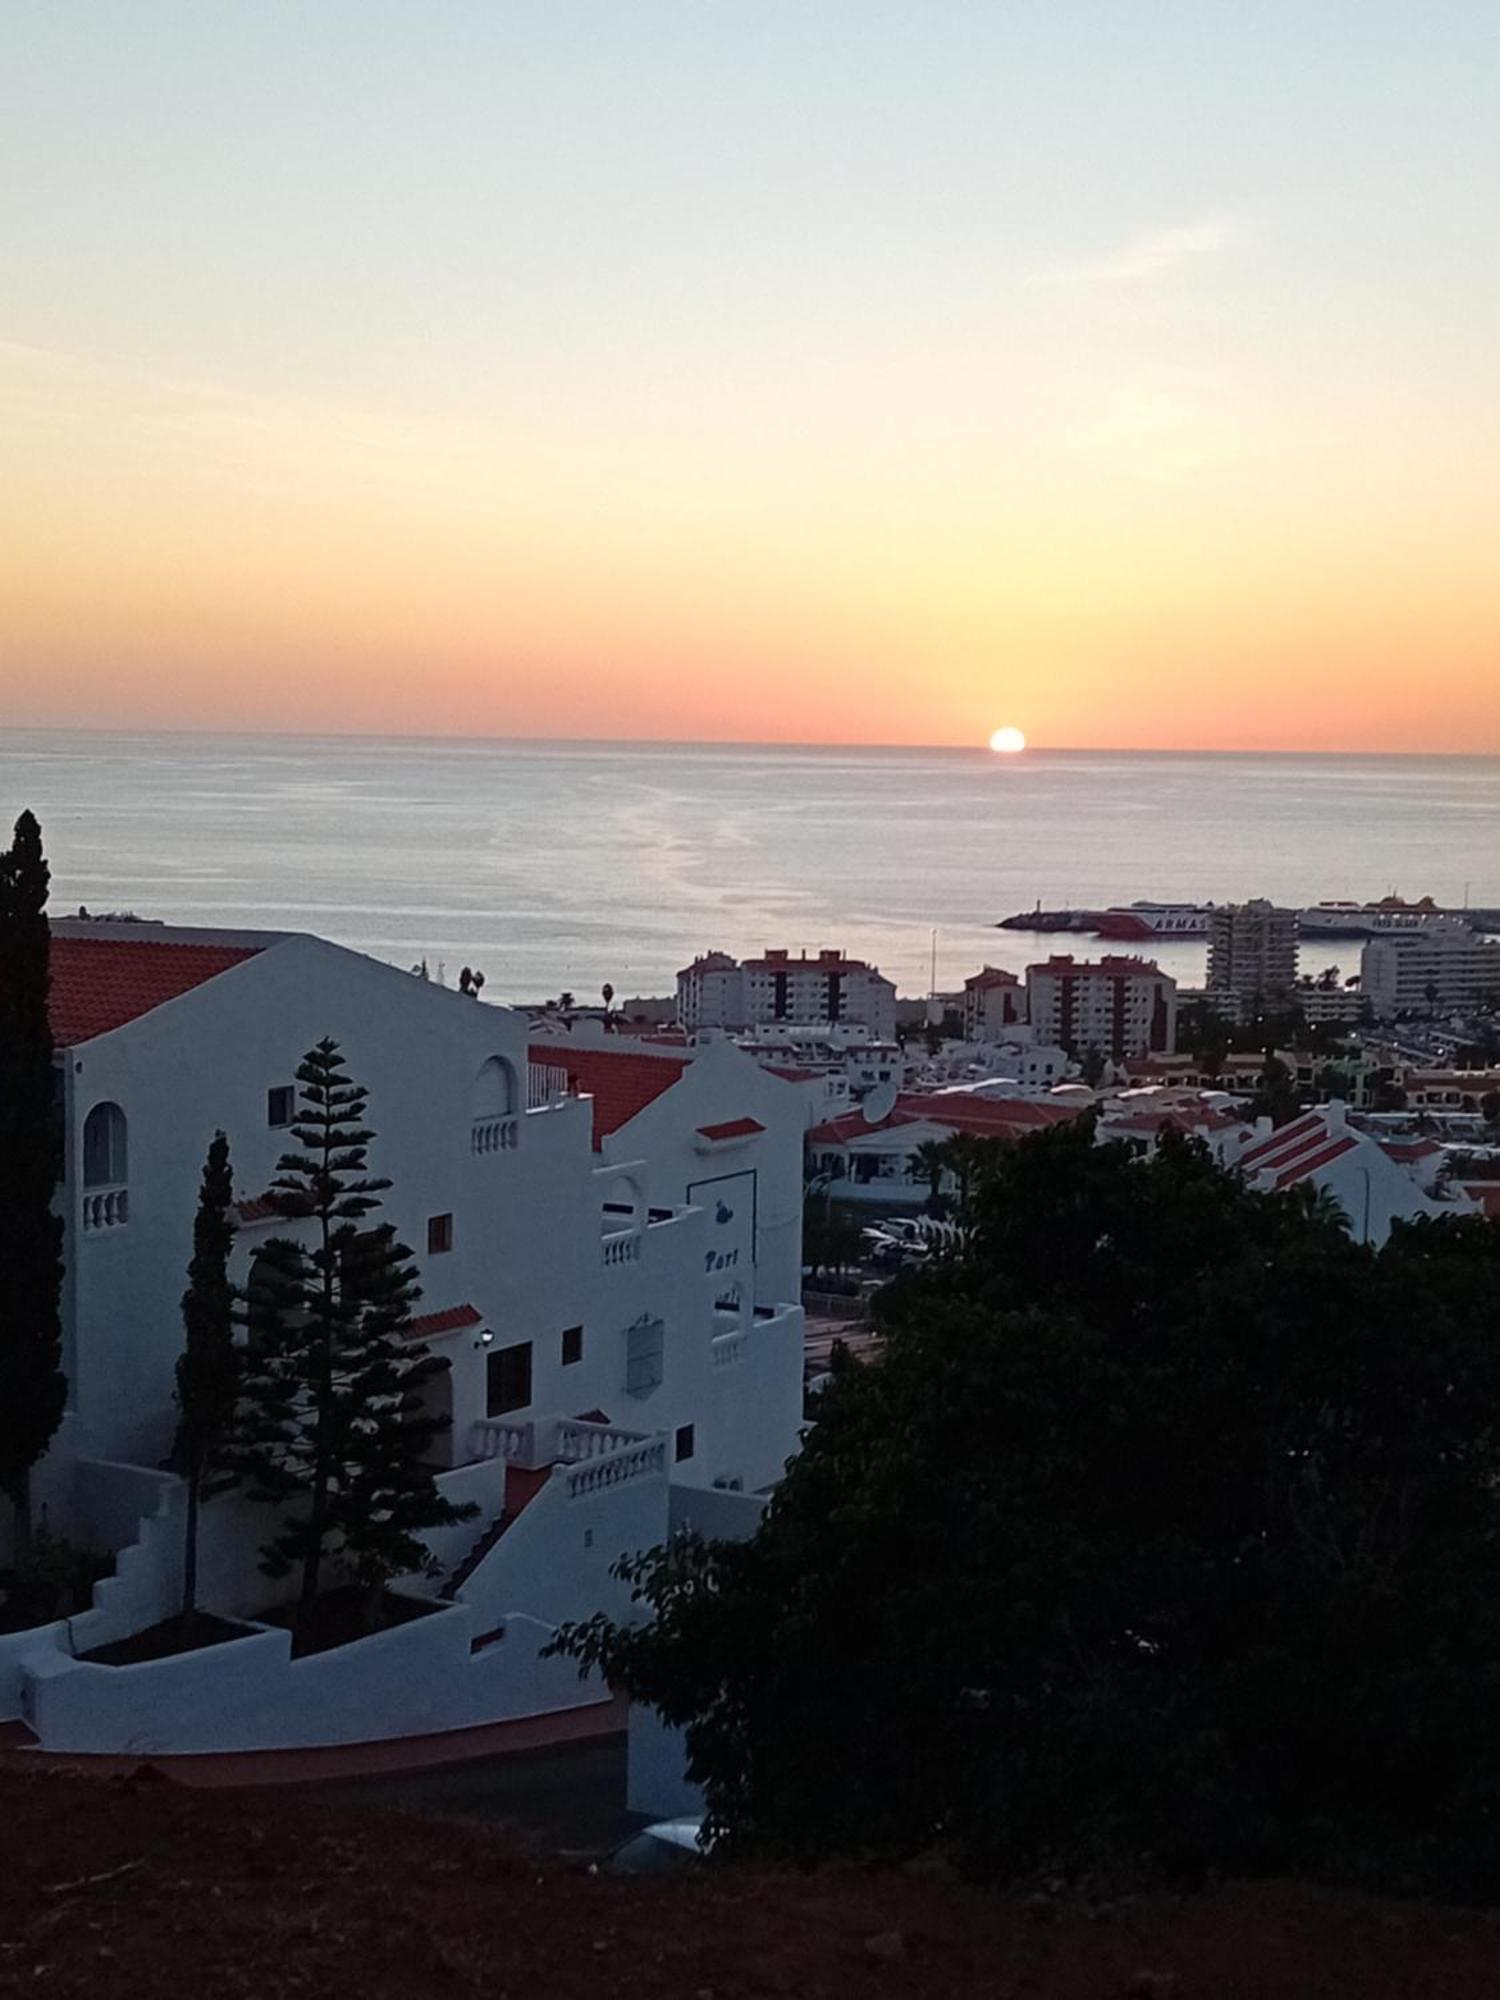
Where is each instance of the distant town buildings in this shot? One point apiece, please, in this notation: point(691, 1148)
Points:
point(1252, 958)
point(1441, 966)
point(717, 991)
point(1119, 1006)
point(994, 1002)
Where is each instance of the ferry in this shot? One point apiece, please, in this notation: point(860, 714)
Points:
point(1363, 920)
point(1154, 920)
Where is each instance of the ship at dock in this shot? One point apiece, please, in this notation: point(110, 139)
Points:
point(1148, 922)
point(1131, 923)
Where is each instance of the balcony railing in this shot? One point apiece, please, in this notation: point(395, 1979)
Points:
point(105, 1208)
point(614, 1468)
point(727, 1350)
point(622, 1248)
point(496, 1135)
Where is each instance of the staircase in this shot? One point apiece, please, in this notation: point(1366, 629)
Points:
point(522, 1484)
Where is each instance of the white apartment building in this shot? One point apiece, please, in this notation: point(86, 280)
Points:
point(994, 1003)
point(1252, 957)
point(1446, 965)
point(717, 991)
point(609, 1249)
point(1119, 1006)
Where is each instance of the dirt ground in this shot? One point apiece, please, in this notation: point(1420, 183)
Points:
point(132, 1887)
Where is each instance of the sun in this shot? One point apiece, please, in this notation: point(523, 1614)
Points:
point(1008, 741)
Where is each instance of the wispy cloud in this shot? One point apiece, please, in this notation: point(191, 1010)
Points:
point(1143, 258)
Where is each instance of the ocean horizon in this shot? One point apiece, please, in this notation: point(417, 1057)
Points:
point(562, 863)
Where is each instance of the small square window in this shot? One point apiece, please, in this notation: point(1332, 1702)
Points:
point(281, 1105)
point(684, 1444)
point(572, 1345)
point(439, 1234)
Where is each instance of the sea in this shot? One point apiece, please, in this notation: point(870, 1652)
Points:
point(557, 866)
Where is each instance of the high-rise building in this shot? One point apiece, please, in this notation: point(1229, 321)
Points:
point(1252, 958)
point(1442, 966)
point(994, 1002)
point(716, 991)
point(1119, 1006)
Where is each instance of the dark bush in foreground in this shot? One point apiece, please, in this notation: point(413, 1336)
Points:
point(1164, 1539)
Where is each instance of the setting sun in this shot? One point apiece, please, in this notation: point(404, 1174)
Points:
point(1008, 741)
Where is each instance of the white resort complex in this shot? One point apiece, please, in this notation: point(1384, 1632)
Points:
point(609, 1246)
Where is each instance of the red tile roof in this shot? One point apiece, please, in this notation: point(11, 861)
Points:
point(1407, 1150)
point(101, 983)
point(1308, 1160)
point(452, 1319)
point(987, 1117)
point(1289, 1137)
point(259, 1208)
point(1486, 1194)
point(732, 1128)
point(622, 1082)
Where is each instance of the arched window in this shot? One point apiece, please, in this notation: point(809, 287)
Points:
point(105, 1162)
point(496, 1103)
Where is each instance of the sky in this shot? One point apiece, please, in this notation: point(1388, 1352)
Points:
point(769, 370)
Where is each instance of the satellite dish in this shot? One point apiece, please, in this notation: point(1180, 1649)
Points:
point(879, 1105)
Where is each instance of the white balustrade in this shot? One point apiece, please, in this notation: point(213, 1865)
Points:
point(577, 1441)
point(496, 1135)
point(497, 1437)
point(624, 1247)
point(728, 1349)
point(614, 1468)
point(105, 1208)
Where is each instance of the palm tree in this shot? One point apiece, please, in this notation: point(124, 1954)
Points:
point(1323, 1205)
point(966, 1156)
point(931, 1162)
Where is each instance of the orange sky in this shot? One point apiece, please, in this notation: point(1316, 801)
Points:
point(1128, 429)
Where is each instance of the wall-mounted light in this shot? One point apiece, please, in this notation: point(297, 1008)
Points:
point(486, 1339)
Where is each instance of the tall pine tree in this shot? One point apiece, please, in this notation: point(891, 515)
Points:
point(208, 1369)
point(33, 1389)
point(330, 1426)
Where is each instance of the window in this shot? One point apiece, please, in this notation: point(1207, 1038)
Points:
point(439, 1234)
point(281, 1105)
point(684, 1443)
point(509, 1379)
point(104, 1147)
point(572, 1345)
point(644, 1343)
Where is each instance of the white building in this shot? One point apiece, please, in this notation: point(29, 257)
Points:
point(994, 1003)
point(1322, 1149)
point(610, 1260)
point(1252, 957)
point(1440, 968)
point(873, 1161)
point(716, 991)
point(1119, 1006)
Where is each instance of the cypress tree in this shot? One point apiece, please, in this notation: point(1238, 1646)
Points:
point(384, 1493)
point(33, 1389)
point(208, 1368)
point(329, 1424)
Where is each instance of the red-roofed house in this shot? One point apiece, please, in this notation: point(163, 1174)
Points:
point(1322, 1150)
point(873, 1161)
point(689, 1123)
point(609, 1229)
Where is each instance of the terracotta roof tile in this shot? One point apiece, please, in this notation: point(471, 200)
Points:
point(732, 1128)
point(622, 1082)
point(99, 984)
point(452, 1319)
